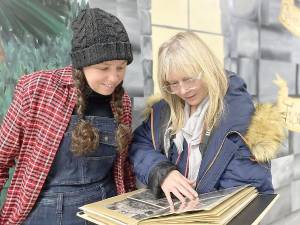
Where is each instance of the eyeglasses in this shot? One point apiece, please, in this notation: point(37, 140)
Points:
point(188, 84)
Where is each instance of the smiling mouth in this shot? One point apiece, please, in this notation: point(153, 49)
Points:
point(190, 97)
point(108, 85)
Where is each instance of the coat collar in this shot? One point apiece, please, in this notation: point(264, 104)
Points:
point(64, 77)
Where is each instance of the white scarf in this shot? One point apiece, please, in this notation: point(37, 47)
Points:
point(192, 132)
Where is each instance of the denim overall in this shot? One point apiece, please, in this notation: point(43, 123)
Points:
point(77, 180)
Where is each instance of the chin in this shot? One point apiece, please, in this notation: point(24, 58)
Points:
point(194, 103)
point(105, 92)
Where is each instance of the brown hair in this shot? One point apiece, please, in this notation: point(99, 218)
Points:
point(85, 137)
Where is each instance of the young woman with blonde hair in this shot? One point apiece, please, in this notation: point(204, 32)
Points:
point(197, 137)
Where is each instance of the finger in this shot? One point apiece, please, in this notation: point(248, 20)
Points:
point(176, 181)
point(187, 189)
point(192, 204)
point(182, 207)
point(192, 183)
point(193, 191)
point(172, 209)
point(178, 195)
point(168, 196)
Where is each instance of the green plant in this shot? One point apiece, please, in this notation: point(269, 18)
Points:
point(23, 56)
point(41, 17)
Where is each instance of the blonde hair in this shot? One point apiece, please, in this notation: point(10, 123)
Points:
point(186, 53)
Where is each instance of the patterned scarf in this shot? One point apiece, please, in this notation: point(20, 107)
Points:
point(192, 133)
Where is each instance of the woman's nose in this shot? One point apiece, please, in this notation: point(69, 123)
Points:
point(182, 90)
point(114, 76)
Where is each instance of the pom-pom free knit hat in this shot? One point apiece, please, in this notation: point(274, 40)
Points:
point(98, 36)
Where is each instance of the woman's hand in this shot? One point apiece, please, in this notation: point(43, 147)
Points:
point(180, 186)
point(190, 205)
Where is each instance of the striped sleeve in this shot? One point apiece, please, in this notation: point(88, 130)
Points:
point(11, 132)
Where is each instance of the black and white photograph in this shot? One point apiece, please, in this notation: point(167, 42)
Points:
point(135, 209)
point(148, 198)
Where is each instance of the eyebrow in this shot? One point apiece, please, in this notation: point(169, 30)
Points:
point(183, 78)
point(107, 63)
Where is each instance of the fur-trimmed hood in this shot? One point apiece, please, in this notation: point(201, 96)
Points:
point(265, 134)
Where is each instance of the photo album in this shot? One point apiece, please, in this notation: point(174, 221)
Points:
point(141, 207)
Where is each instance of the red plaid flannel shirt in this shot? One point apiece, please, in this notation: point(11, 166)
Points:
point(31, 133)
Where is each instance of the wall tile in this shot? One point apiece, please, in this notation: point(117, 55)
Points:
point(137, 111)
point(276, 44)
point(247, 31)
point(295, 55)
point(296, 167)
point(292, 219)
point(148, 81)
point(243, 9)
point(109, 6)
point(144, 4)
point(295, 195)
point(215, 43)
point(145, 21)
point(298, 76)
point(284, 148)
point(134, 79)
point(248, 70)
point(281, 208)
point(231, 64)
point(170, 12)
point(282, 171)
point(270, 13)
point(205, 15)
point(295, 142)
point(146, 46)
point(267, 73)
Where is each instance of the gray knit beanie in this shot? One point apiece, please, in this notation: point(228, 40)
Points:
point(98, 36)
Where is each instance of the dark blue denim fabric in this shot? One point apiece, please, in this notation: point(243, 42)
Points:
point(77, 180)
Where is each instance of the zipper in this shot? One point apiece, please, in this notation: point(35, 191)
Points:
point(218, 152)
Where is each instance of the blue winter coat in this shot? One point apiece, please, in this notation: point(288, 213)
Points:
point(227, 161)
